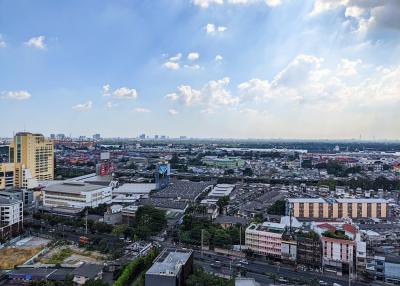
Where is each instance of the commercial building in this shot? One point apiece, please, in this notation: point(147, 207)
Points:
point(76, 195)
point(224, 163)
point(219, 191)
point(318, 208)
point(171, 268)
point(265, 239)
point(34, 152)
point(11, 218)
point(130, 193)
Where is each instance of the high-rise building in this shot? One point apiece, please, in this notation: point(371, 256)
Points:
point(33, 152)
point(96, 137)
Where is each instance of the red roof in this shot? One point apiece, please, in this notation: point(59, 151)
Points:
point(350, 228)
point(327, 226)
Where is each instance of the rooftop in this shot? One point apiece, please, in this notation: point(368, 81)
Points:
point(71, 187)
point(169, 262)
point(186, 190)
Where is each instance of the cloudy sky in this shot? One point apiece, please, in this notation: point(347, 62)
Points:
point(321, 69)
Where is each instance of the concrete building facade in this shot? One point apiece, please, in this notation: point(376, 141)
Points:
point(319, 208)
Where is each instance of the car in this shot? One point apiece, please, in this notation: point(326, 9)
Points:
point(243, 261)
point(322, 283)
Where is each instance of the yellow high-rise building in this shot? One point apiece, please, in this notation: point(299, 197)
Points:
point(33, 152)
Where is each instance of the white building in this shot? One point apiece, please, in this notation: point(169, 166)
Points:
point(11, 217)
point(130, 193)
point(219, 191)
point(76, 195)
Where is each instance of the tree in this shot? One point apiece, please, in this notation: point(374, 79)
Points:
point(248, 172)
point(149, 221)
point(222, 203)
point(278, 208)
point(119, 230)
point(95, 282)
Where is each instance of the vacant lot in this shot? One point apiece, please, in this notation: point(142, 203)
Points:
point(72, 255)
point(9, 257)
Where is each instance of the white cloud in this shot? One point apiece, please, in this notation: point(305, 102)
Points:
point(111, 104)
point(2, 42)
point(347, 67)
point(212, 94)
point(218, 58)
point(17, 95)
point(172, 96)
point(125, 93)
point(36, 42)
point(306, 80)
point(172, 111)
point(141, 110)
point(119, 93)
point(207, 3)
point(171, 65)
point(212, 29)
point(193, 56)
point(273, 3)
point(83, 106)
point(193, 67)
point(106, 90)
point(176, 58)
point(366, 14)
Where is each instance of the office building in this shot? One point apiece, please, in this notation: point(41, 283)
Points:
point(318, 208)
point(265, 239)
point(96, 137)
point(171, 268)
point(76, 195)
point(33, 152)
point(11, 218)
point(7, 174)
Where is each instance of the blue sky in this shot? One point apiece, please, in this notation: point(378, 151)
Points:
point(202, 68)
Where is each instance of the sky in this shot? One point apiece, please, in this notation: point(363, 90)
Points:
point(298, 69)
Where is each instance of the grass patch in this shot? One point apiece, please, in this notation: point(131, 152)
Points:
point(9, 257)
point(60, 256)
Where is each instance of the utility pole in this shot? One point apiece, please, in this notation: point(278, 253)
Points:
point(86, 226)
point(240, 238)
point(202, 235)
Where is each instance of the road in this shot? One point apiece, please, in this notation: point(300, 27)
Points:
point(258, 270)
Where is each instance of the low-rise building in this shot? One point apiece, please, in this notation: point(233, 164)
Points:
point(265, 239)
point(309, 249)
point(11, 218)
point(170, 268)
point(76, 195)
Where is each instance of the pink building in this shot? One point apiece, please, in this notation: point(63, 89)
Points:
point(265, 239)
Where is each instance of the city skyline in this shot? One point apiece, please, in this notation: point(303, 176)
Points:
point(287, 69)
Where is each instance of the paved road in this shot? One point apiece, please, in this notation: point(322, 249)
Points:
point(257, 269)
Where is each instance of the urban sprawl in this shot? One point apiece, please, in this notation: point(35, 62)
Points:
point(178, 211)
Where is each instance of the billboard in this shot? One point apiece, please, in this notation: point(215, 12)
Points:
point(105, 156)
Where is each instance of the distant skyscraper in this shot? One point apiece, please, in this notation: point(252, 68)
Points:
point(142, 136)
point(156, 137)
point(52, 136)
point(96, 137)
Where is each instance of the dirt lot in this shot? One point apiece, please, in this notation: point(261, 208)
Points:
point(21, 252)
point(9, 257)
point(71, 254)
